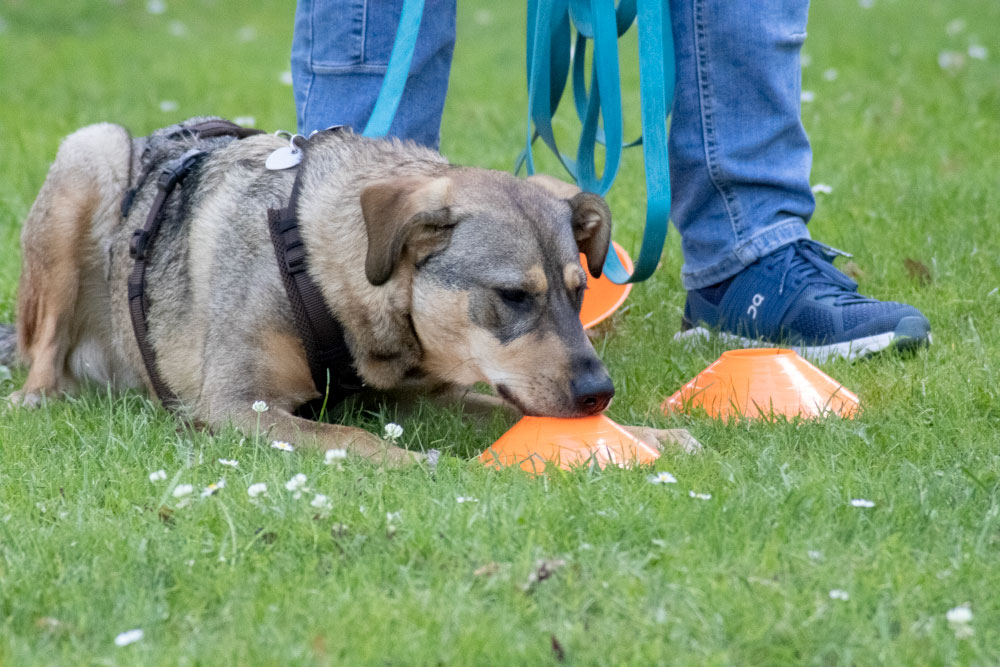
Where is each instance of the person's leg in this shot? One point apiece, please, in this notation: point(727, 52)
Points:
point(739, 156)
point(739, 166)
point(340, 51)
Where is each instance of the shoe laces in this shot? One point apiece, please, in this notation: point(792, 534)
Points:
point(813, 261)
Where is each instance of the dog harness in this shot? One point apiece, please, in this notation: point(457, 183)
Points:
point(330, 360)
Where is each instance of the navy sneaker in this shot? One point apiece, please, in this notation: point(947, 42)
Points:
point(795, 298)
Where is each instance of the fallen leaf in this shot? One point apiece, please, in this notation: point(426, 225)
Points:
point(487, 570)
point(543, 570)
point(166, 515)
point(557, 649)
point(918, 271)
point(853, 271)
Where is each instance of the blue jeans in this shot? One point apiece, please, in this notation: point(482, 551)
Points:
point(340, 51)
point(739, 156)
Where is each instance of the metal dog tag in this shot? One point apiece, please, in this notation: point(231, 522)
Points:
point(283, 158)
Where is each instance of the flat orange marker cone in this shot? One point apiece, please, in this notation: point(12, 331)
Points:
point(602, 296)
point(534, 442)
point(763, 383)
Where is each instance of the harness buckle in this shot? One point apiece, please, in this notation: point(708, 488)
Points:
point(175, 170)
point(137, 244)
point(295, 257)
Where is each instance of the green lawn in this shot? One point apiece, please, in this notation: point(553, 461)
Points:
point(398, 571)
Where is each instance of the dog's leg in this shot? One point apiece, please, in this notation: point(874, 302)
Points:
point(280, 424)
point(662, 438)
point(84, 181)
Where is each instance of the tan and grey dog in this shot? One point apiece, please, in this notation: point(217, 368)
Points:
point(442, 277)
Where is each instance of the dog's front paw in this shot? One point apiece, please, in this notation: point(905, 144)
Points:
point(662, 438)
point(28, 400)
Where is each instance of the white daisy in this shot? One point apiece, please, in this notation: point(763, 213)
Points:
point(959, 614)
point(285, 78)
point(837, 594)
point(951, 61)
point(166, 106)
point(245, 121)
point(700, 496)
point(393, 431)
point(861, 502)
point(321, 502)
point(282, 445)
point(391, 517)
point(466, 499)
point(807, 96)
point(232, 463)
point(960, 620)
point(213, 488)
point(182, 490)
point(259, 406)
point(258, 489)
point(156, 6)
point(129, 637)
point(978, 52)
point(296, 483)
point(822, 189)
point(662, 477)
point(158, 476)
point(333, 455)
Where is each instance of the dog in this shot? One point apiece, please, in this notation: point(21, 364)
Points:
point(441, 276)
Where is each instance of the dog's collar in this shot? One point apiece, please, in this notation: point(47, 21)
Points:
point(330, 361)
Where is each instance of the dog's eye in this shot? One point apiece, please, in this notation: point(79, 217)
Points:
point(517, 298)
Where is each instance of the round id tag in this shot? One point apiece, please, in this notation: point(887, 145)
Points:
point(283, 158)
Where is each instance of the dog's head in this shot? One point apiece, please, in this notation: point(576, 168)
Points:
point(496, 281)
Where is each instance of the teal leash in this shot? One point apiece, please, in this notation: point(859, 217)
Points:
point(600, 108)
point(397, 71)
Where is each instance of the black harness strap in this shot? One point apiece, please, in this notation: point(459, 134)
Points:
point(171, 175)
point(139, 246)
point(330, 362)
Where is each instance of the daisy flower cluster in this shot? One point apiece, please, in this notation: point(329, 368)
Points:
point(664, 477)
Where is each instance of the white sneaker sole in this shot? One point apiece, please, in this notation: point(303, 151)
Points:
point(850, 350)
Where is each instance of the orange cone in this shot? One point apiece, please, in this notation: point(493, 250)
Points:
point(763, 383)
point(603, 297)
point(535, 442)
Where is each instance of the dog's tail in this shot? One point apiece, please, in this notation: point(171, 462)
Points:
point(8, 345)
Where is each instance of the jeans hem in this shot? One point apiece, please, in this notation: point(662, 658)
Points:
point(762, 243)
point(317, 68)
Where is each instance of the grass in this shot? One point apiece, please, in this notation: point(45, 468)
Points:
point(648, 575)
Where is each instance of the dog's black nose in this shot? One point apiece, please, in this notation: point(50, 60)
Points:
point(592, 392)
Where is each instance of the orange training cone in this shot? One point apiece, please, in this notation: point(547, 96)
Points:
point(534, 442)
point(763, 383)
point(603, 297)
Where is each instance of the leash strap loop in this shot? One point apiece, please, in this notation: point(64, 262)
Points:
point(398, 70)
point(600, 107)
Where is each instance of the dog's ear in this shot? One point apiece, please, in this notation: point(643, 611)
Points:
point(405, 212)
point(591, 219)
point(592, 229)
